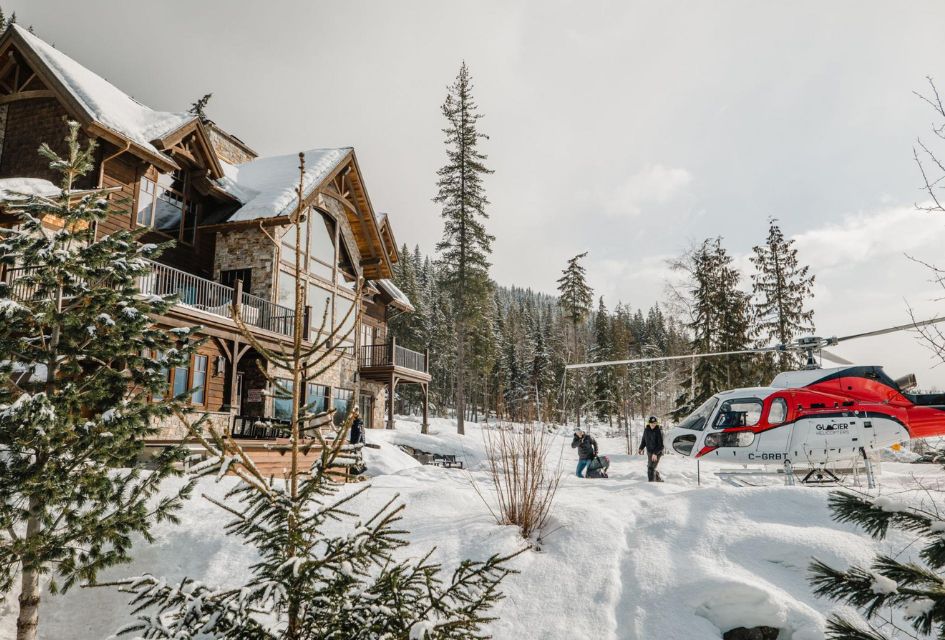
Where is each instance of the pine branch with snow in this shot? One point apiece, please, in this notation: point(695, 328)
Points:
point(916, 591)
point(78, 378)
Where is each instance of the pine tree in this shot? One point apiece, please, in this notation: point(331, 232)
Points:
point(199, 107)
point(310, 583)
point(719, 321)
point(575, 300)
point(79, 375)
point(909, 590)
point(466, 245)
point(605, 381)
point(782, 290)
point(3, 20)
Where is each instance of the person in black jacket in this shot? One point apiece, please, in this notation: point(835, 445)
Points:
point(587, 450)
point(652, 442)
point(357, 427)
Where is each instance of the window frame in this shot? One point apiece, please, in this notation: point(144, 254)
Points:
point(190, 206)
point(733, 401)
point(784, 417)
point(171, 379)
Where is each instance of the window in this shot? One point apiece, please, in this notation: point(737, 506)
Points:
point(344, 320)
point(199, 395)
point(288, 244)
point(181, 377)
point(698, 418)
point(286, 294)
point(345, 268)
point(317, 398)
point(164, 205)
point(230, 276)
point(741, 412)
point(322, 245)
point(281, 404)
point(319, 300)
point(343, 398)
point(367, 410)
point(778, 411)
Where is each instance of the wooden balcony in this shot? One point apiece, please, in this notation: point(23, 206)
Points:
point(204, 295)
point(380, 362)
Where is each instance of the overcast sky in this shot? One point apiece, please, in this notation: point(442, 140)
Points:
point(627, 129)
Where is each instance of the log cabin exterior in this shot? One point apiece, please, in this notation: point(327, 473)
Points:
point(183, 178)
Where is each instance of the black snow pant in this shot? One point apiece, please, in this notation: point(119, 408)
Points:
point(652, 475)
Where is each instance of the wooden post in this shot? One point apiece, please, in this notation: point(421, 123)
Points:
point(425, 425)
point(390, 401)
point(392, 356)
point(237, 295)
point(306, 322)
point(426, 360)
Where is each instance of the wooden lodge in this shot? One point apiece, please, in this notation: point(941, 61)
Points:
point(184, 178)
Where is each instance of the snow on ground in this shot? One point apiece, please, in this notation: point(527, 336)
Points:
point(623, 559)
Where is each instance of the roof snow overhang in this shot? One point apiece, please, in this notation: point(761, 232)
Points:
point(19, 39)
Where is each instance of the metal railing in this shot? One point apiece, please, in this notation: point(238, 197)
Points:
point(392, 354)
point(260, 428)
point(212, 297)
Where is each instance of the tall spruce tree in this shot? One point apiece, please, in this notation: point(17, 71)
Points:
point(199, 107)
point(891, 589)
point(605, 378)
point(310, 583)
point(78, 382)
point(575, 299)
point(719, 321)
point(466, 245)
point(782, 290)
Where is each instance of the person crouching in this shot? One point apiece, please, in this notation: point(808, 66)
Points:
point(587, 450)
point(652, 442)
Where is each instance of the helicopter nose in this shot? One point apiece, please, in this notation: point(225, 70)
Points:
point(683, 441)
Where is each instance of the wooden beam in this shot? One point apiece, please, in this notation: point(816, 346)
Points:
point(26, 95)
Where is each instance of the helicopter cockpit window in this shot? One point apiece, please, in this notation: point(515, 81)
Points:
point(741, 412)
point(778, 411)
point(698, 418)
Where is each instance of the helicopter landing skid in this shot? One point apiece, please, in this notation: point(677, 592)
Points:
point(820, 476)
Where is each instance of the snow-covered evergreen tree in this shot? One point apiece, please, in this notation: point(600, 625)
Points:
point(575, 298)
point(310, 583)
point(782, 290)
point(466, 244)
point(80, 377)
point(890, 589)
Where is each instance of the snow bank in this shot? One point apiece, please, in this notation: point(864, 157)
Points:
point(622, 559)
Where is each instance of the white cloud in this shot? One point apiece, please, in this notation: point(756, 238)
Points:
point(654, 184)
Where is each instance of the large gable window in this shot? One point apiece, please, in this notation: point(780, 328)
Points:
point(165, 205)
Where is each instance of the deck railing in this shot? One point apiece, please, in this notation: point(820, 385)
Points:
point(212, 297)
point(392, 354)
point(192, 291)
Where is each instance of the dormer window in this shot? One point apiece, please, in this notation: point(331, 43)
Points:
point(165, 205)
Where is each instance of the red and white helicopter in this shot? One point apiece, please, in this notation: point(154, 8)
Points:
point(807, 418)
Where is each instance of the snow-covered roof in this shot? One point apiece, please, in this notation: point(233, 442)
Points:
point(397, 296)
point(267, 186)
point(103, 102)
point(12, 189)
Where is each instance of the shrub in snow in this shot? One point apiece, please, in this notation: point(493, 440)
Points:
point(312, 581)
point(75, 399)
point(915, 592)
point(523, 481)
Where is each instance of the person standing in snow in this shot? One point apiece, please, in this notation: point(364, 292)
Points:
point(357, 427)
point(587, 450)
point(652, 442)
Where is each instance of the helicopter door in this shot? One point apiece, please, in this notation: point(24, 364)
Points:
point(772, 444)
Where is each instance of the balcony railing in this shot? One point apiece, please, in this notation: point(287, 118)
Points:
point(212, 297)
point(392, 355)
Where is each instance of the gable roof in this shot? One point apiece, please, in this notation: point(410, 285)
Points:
point(97, 99)
point(267, 186)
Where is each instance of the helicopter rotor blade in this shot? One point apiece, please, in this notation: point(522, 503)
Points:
point(880, 332)
point(832, 357)
point(688, 356)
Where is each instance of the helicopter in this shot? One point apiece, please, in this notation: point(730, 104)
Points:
point(809, 417)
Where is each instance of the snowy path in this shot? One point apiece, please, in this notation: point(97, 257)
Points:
point(627, 560)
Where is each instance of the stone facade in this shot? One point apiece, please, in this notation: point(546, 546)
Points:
point(229, 148)
point(172, 429)
point(247, 248)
